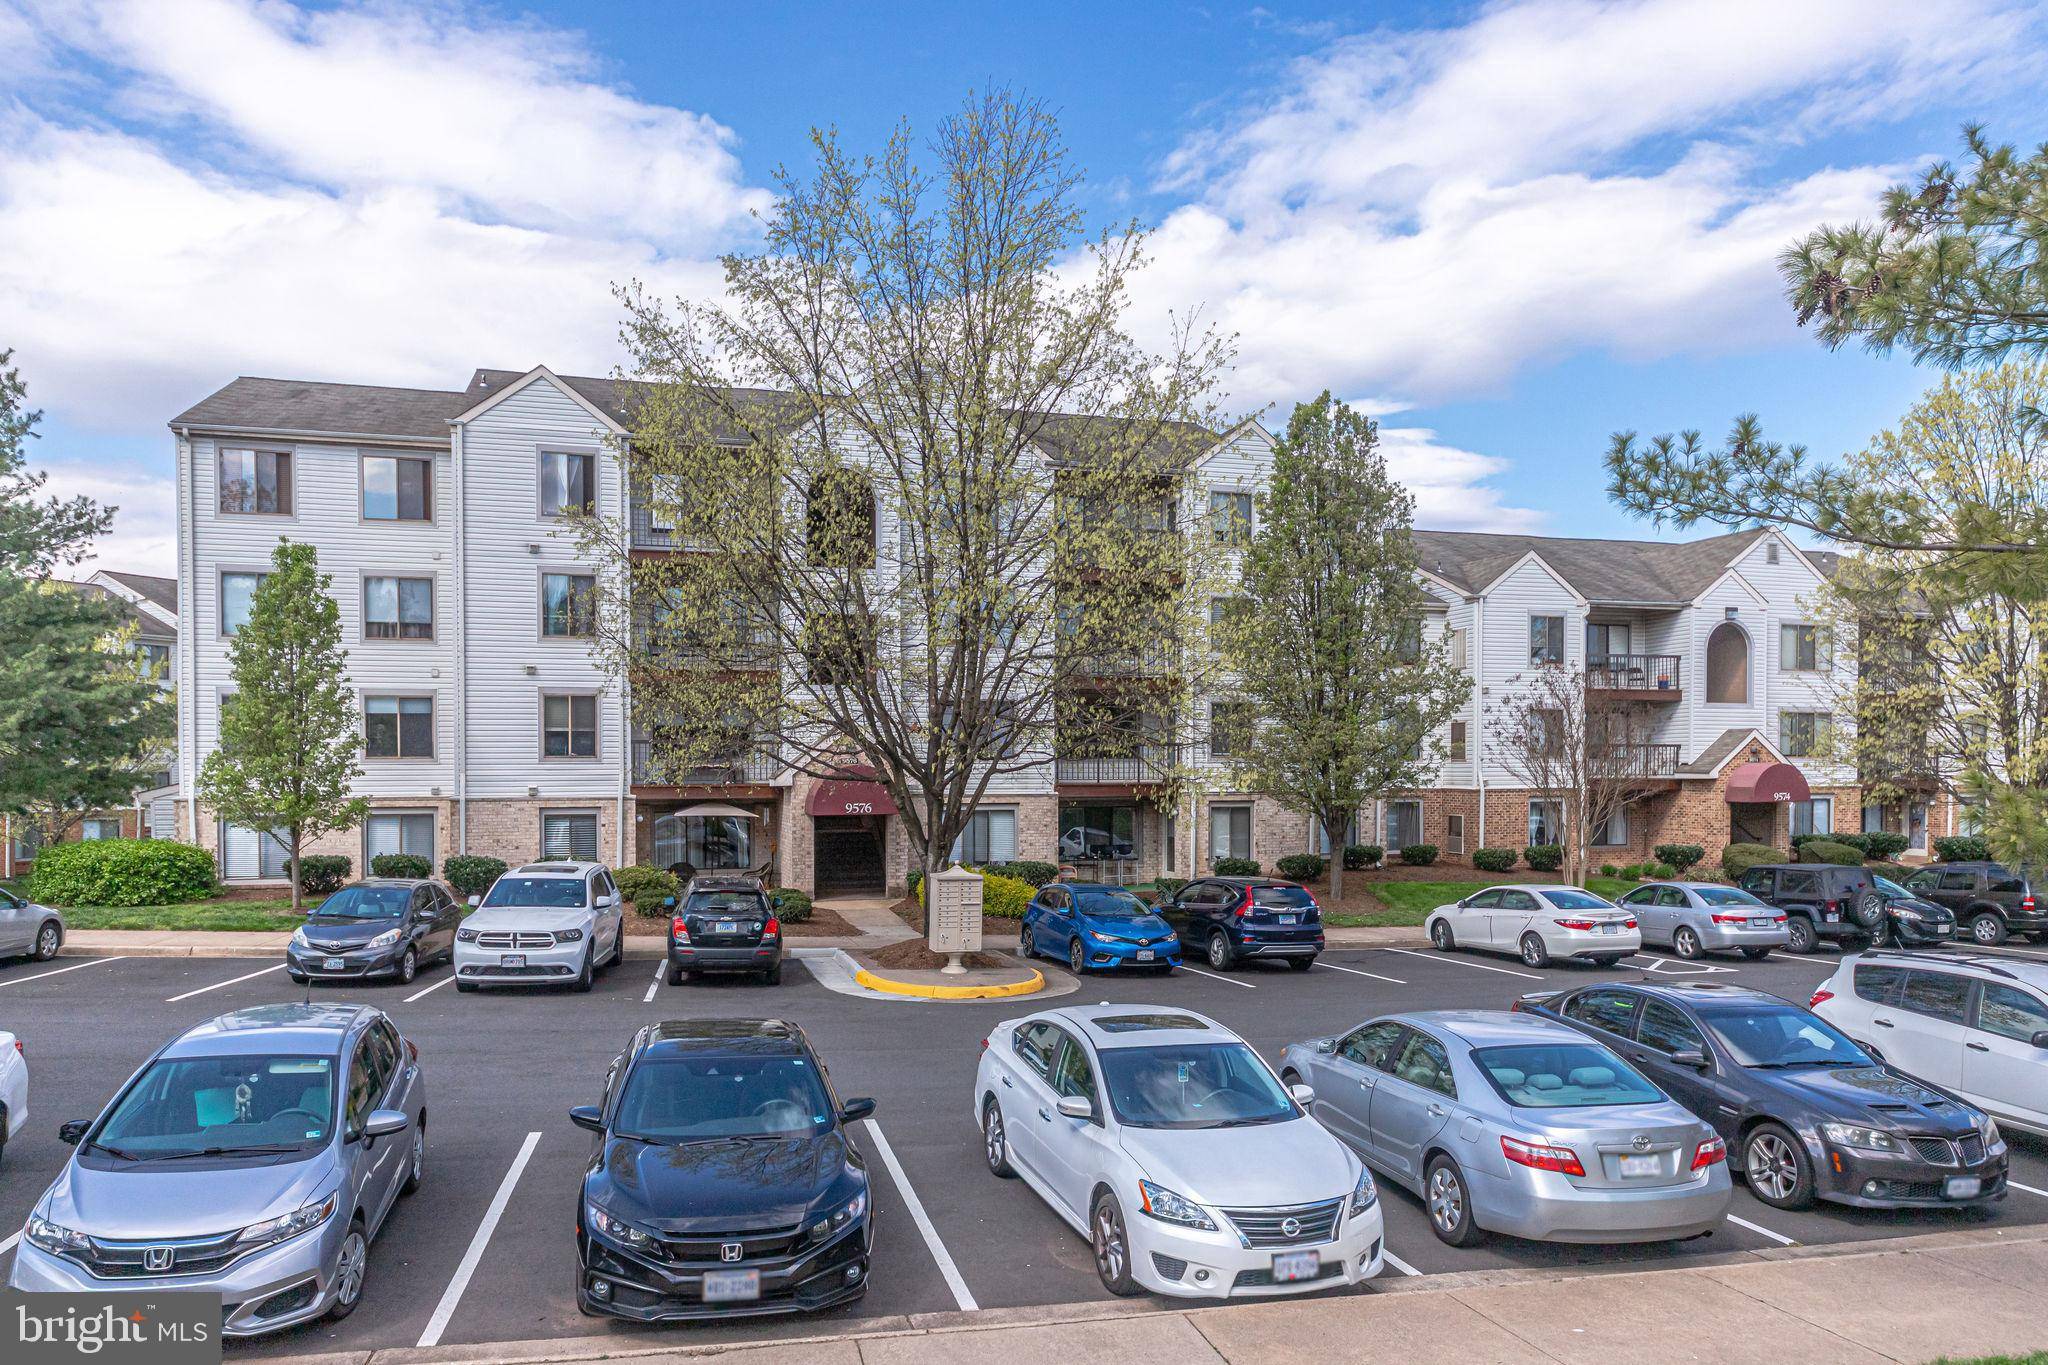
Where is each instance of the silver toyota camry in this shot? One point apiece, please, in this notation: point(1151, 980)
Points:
point(255, 1155)
point(1503, 1123)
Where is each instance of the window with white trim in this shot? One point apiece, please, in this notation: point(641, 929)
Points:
point(397, 832)
point(569, 834)
point(568, 725)
point(1546, 823)
point(1230, 832)
point(398, 608)
point(256, 482)
point(568, 484)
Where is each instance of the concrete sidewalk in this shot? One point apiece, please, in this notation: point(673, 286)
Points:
point(1905, 1300)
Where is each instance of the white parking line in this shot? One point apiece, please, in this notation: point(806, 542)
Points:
point(1461, 962)
point(648, 998)
point(1395, 1261)
point(2001, 950)
point(431, 989)
point(246, 976)
point(8, 1245)
point(915, 1205)
point(96, 962)
point(452, 1295)
point(1213, 977)
point(1780, 1238)
point(2010, 1182)
point(1355, 972)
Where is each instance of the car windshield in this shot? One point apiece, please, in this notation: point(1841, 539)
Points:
point(222, 1106)
point(1110, 905)
point(1576, 900)
point(1725, 895)
point(1563, 1076)
point(1282, 897)
point(550, 893)
point(1891, 890)
point(695, 1098)
point(1193, 1085)
point(726, 903)
point(1781, 1036)
point(367, 902)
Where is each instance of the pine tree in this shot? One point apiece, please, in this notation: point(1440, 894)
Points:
point(289, 734)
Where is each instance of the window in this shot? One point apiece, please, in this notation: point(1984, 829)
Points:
point(1770, 552)
point(1873, 820)
point(1614, 1011)
point(1604, 642)
point(387, 832)
point(398, 488)
point(1321, 837)
point(1937, 995)
point(253, 855)
point(153, 660)
point(1459, 659)
point(1230, 516)
point(838, 650)
point(568, 484)
point(1613, 831)
point(1546, 639)
point(256, 481)
point(1220, 611)
point(1230, 832)
point(1667, 1030)
point(1423, 1062)
point(398, 727)
point(1801, 649)
point(398, 608)
point(1370, 1046)
point(2011, 1013)
point(839, 520)
point(568, 604)
point(1877, 984)
point(1036, 1045)
point(1227, 722)
point(1546, 823)
point(706, 842)
point(568, 726)
point(990, 837)
point(1454, 834)
point(1404, 824)
point(1727, 664)
point(1408, 643)
point(1814, 817)
point(96, 828)
point(1546, 730)
point(1797, 883)
point(237, 597)
point(570, 835)
point(1800, 733)
point(1457, 748)
point(1072, 1077)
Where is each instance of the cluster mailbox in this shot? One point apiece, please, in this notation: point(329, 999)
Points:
point(953, 915)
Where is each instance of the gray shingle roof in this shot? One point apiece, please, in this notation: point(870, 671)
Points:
point(1612, 571)
point(1716, 753)
point(615, 398)
point(302, 405)
point(162, 591)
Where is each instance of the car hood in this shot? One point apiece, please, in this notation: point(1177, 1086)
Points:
point(717, 1186)
point(1927, 909)
point(527, 917)
point(1296, 1162)
point(1872, 1094)
point(1127, 926)
point(341, 931)
point(178, 1200)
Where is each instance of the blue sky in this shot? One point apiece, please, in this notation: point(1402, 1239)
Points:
point(1510, 229)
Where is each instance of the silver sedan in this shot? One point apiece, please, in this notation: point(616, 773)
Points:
point(1696, 918)
point(1505, 1123)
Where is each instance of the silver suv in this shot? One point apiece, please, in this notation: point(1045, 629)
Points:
point(544, 924)
point(254, 1156)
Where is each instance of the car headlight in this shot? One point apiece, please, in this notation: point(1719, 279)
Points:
point(466, 935)
point(1992, 1137)
point(618, 1229)
point(1363, 1194)
point(1907, 913)
point(1168, 1207)
point(385, 939)
point(299, 938)
point(848, 1213)
point(291, 1224)
point(569, 935)
point(58, 1241)
point(1856, 1135)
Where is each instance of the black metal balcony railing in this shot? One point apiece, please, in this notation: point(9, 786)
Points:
point(1643, 760)
point(740, 768)
point(1633, 672)
point(1149, 662)
point(1151, 763)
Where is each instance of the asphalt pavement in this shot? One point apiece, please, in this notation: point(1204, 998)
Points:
point(485, 1251)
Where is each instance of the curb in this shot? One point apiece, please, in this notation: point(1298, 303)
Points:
point(1032, 986)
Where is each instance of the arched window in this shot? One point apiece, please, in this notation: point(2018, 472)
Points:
point(839, 523)
point(1728, 664)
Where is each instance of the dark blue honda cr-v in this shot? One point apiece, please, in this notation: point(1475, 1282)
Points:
point(1097, 927)
point(1231, 919)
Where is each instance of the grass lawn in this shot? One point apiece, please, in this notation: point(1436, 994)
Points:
point(231, 915)
point(1408, 903)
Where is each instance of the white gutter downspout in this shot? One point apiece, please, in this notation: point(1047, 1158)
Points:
point(188, 636)
point(1477, 662)
point(625, 688)
point(461, 556)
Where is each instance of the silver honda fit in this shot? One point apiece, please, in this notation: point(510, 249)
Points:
point(255, 1155)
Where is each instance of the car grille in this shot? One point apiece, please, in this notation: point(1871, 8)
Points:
point(524, 938)
point(1268, 1227)
point(1973, 1149)
point(759, 1244)
point(1943, 1152)
point(129, 1260)
point(1260, 1279)
point(1169, 1267)
point(531, 969)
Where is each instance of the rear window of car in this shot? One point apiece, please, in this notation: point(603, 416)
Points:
point(1725, 895)
point(1877, 983)
point(1576, 900)
point(728, 903)
point(1282, 897)
point(1563, 1076)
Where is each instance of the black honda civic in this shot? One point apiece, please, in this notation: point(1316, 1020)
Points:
point(1805, 1112)
point(722, 1183)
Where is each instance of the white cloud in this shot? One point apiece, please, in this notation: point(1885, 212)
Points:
point(144, 538)
point(1450, 485)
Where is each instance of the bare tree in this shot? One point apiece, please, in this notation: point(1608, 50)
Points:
point(1578, 747)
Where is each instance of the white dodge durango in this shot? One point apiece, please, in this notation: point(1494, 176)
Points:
point(540, 925)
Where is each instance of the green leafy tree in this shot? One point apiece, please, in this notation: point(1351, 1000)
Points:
point(1325, 640)
point(76, 714)
point(289, 733)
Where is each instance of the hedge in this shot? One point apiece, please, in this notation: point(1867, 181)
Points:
point(1168, 885)
point(322, 874)
point(1036, 873)
point(1737, 859)
point(1681, 857)
point(1663, 872)
point(1827, 851)
point(1962, 848)
point(472, 874)
point(1494, 859)
point(121, 872)
point(1884, 846)
point(1544, 857)
point(789, 904)
point(400, 865)
point(1236, 867)
point(1358, 857)
point(1419, 855)
point(1001, 897)
point(647, 888)
point(1303, 867)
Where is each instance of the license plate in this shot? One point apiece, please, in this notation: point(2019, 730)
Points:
point(1641, 1165)
point(332, 964)
point(512, 959)
point(1963, 1186)
point(726, 926)
point(1296, 1265)
point(1759, 924)
point(731, 1286)
point(1143, 954)
point(1610, 928)
point(1290, 919)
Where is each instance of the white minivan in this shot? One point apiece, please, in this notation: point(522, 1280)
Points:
point(1975, 1026)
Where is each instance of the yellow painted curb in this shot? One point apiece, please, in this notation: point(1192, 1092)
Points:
point(884, 984)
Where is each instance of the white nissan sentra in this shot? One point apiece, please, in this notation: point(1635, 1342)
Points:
point(542, 924)
point(1171, 1145)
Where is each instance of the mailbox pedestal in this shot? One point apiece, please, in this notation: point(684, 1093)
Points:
point(952, 916)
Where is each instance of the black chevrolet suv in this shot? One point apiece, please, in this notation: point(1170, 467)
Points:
point(725, 924)
point(1990, 901)
point(1820, 900)
point(1232, 919)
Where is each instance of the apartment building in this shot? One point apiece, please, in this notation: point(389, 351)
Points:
point(489, 728)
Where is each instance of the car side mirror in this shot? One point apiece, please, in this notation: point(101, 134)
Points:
point(2040, 1039)
point(1326, 1044)
point(587, 1116)
point(856, 1109)
point(1691, 1057)
point(385, 1122)
point(70, 1134)
point(607, 901)
point(1077, 1107)
point(1304, 1095)
point(475, 901)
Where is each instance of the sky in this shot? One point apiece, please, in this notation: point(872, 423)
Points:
point(1507, 229)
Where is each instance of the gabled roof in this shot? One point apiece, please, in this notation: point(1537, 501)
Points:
point(1612, 572)
point(1067, 438)
point(162, 591)
point(303, 406)
point(1716, 755)
point(147, 626)
point(617, 399)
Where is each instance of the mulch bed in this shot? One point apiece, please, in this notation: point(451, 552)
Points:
point(912, 955)
point(995, 931)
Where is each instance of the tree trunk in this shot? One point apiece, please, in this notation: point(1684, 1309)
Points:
point(1333, 836)
point(298, 896)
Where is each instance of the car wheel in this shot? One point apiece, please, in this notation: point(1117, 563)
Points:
point(1220, 955)
point(1987, 929)
point(1449, 1204)
point(1801, 938)
point(48, 940)
point(1112, 1247)
point(585, 975)
point(1756, 954)
point(1300, 964)
point(1868, 910)
point(416, 1170)
point(408, 966)
point(1534, 954)
point(618, 944)
point(1879, 934)
point(675, 975)
point(995, 1140)
point(773, 976)
point(1777, 1169)
point(1024, 952)
point(350, 1267)
point(1685, 941)
point(1440, 934)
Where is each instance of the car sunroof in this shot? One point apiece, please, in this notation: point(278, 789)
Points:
point(1137, 1023)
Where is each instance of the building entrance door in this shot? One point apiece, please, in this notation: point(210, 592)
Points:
point(1752, 822)
point(848, 853)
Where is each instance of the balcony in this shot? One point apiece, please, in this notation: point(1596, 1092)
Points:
point(1635, 677)
point(1642, 760)
point(1152, 661)
point(1151, 764)
point(752, 769)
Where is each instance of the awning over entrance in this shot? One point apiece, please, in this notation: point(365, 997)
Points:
point(1766, 782)
point(853, 792)
point(715, 810)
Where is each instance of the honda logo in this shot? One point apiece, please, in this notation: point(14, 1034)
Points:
point(729, 1251)
point(1641, 1142)
point(157, 1258)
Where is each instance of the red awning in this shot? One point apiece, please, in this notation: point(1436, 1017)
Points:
point(1767, 782)
point(853, 792)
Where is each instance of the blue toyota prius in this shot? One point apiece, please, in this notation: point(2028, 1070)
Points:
point(1097, 928)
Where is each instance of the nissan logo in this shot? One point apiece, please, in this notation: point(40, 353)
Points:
point(1641, 1142)
point(729, 1251)
point(1291, 1226)
point(157, 1258)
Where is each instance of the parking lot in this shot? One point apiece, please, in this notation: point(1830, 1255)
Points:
point(485, 1251)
